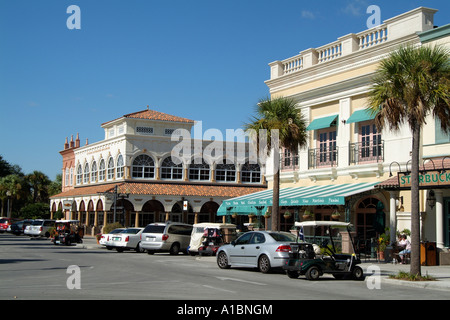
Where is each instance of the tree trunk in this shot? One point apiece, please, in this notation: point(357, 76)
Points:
point(415, 212)
point(276, 191)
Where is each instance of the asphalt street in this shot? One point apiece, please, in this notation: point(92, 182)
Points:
point(38, 270)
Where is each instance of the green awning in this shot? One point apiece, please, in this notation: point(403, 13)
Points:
point(322, 123)
point(360, 116)
point(241, 210)
point(333, 194)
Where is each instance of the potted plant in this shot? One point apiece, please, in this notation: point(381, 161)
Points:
point(336, 215)
point(383, 242)
point(98, 236)
point(287, 215)
point(308, 214)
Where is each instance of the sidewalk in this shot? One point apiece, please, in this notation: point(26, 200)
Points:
point(440, 273)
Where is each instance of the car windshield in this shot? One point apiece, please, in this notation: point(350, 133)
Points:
point(3, 220)
point(131, 231)
point(283, 237)
point(116, 231)
point(154, 229)
point(37, 223)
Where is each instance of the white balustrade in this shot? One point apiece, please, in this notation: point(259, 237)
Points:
point(372, 37)
point(292, 64)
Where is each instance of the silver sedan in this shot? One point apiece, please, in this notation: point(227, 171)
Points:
point(257, 249)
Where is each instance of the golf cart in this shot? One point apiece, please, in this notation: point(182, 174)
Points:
point(310, 260)
point(207, 237)
point(68, 232)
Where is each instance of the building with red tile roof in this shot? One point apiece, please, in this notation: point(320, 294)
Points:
point(147, 168)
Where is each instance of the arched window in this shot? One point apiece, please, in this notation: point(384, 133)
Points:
point(110, 168)
point(143, 167)
point(79, 174)
point(226, 172)
point(102, 170)
point(199, 171)
point(94, 172)
point(86, 173)
point(170, 170)
point(251, 173)
point(120, 166)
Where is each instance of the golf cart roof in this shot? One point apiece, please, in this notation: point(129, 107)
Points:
point(213, 225)
point(335, 224)
point(67, 221)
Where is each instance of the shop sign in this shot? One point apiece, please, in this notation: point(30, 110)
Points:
point(426, 179)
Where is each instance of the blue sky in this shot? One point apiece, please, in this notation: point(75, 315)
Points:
point(205, 60)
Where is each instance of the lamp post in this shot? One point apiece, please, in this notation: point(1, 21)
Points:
point(8, 213)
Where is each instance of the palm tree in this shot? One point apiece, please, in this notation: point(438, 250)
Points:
point(39, 183)
point(285, 126)
point(410, 84)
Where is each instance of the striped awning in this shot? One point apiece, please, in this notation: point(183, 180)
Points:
point(334, 194)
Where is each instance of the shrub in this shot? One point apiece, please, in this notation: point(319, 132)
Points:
point(111, 226)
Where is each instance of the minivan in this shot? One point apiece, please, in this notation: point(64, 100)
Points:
point(40, 228)
point(166, 236)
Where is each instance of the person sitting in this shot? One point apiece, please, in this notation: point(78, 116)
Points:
point(404, 243)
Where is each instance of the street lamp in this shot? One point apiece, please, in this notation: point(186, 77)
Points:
point(8, 213)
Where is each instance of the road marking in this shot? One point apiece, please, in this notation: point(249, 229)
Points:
point(211, 287)
point(241, 280)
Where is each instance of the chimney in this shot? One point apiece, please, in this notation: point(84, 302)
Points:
point(66, 144)
point(77, 141)
point(72, 144)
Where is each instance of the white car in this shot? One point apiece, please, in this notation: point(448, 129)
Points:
point(106, 239)
point(40, 228)
point(257, 249)
point(128, 239)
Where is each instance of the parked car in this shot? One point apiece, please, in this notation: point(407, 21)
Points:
point(166, 236)
point(5, 223)
point(257, 249)
point(127, 239)
point(40, 228)
point(18, 227)
point(106, 239)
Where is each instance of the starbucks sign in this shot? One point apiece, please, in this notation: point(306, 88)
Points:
point(426, 179)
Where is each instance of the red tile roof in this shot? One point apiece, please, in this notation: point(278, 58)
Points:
point(154, 115)
point(171, 189)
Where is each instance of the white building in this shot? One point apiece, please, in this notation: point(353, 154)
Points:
point(136, 165)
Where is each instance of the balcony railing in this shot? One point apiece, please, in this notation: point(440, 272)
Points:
point(322, 158)
point(289, 163)
point(409, 23)
point(366, 152)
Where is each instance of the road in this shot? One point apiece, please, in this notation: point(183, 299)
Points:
point(33, 269)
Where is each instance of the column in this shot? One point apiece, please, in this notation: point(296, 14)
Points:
point(196, 218)
point(393, 195)
point(136, 220)
point(439, 219)
point(95, 218)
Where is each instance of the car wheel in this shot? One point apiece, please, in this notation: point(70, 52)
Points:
point(313, 273)
point(292, 274)
point(358, 273)
point(264, 264)
point(222, 260)
point(139, 248)
point(174, 249)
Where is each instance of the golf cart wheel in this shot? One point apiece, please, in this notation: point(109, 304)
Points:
point(222, 260)
point(313, 273)
point(264, 264)
point(292, 274)
point(358, 273)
